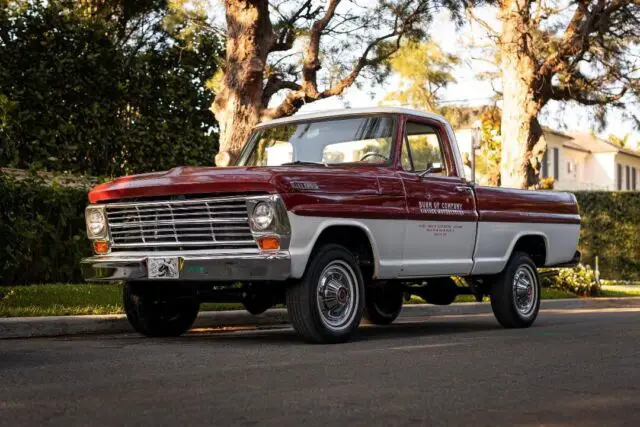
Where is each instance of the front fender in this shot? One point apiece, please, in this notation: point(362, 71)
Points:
point(305, 231)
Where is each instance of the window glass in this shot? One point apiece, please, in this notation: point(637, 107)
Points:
point(404, 158)
point(361, 139)
point(425, 150)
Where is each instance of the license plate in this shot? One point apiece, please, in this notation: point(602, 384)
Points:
point(163, 268)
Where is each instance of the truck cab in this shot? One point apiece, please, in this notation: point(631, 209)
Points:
point(338, 215)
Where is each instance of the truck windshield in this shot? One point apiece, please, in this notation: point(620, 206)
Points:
point(361, 139)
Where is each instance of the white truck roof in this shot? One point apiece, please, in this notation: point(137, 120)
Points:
point(345, 112)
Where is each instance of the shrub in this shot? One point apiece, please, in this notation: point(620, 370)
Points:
point(42, 231)
point(580, 280)
point(84, 94)
point(611, 230)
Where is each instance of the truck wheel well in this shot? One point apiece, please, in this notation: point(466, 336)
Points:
point(355, 240)
point(534, 246)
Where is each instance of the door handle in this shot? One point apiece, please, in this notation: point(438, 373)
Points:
point(462, 188)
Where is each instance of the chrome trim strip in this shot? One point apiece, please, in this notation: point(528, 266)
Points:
point(178, 244)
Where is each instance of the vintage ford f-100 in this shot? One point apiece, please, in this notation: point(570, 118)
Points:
point(338, 215)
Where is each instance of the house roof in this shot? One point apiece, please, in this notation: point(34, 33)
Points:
point(574, 146)
point(557, 133)
point(596, 145)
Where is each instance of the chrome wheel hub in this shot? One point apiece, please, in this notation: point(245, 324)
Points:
point(337, 295)
point(525, 290)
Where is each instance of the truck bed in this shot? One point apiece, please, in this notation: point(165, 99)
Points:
point(506, 214)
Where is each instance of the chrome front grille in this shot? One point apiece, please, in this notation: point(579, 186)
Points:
point(214, 223)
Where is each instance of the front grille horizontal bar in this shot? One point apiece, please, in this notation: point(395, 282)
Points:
point(191, 214)
point(169, 222)
point(226, 242)
point(178, 208)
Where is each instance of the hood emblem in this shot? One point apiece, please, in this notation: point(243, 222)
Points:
point(304, 185)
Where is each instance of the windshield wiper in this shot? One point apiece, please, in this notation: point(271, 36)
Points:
point(300, 162)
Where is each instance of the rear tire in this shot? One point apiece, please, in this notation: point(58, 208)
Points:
point(326, 305)
point(515, 295)
point(383, 304)
point(155, 310)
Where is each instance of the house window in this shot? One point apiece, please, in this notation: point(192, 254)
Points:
point(556, 164)
point(619, 176)
point(628, 179)
point(633, 179)
point(545, 164)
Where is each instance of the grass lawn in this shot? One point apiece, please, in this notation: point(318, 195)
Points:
point(66, 299)
point(620, 290)
point(78, 299)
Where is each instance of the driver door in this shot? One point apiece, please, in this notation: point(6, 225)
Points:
point(440, 230)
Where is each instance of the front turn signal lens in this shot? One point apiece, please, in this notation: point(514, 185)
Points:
point(101, 247)
point(269, 243)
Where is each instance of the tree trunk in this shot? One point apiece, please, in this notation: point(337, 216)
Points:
point(238, 105)
point(522, 143)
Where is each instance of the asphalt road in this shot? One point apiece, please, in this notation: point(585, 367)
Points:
point(571, 368)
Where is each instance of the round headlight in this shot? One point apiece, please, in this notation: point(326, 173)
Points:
point(262, 216)
point(96, 223)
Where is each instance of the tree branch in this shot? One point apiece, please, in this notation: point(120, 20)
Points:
point(274, 84)
point(308, 90)
point(569, 93)
point(575, 42)
point(311, 62)
point(287, 34)
point(360, 64)
point(484, 24)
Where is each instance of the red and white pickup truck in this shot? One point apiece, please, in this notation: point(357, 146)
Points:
point(338, 215)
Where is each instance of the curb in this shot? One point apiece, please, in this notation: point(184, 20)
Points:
point(29, 327)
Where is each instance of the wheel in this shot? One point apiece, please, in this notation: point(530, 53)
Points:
point(326, 305)
point(383, 304)
point(155, 310)
point(515, 296)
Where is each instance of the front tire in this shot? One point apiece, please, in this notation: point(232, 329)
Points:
point(515, 296)
point(326, 305)
point(383, 304)
point(156, 310)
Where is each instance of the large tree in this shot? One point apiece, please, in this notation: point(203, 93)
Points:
point(565, 50)
point(298, 52)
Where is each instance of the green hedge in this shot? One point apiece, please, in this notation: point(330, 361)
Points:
point(611, 231)
point(42, 231)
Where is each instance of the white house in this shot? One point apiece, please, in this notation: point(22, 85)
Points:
point(581, 162)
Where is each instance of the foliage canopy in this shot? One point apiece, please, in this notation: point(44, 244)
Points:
point(102, 87)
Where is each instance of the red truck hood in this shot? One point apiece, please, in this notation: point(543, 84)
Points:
point(208, 180)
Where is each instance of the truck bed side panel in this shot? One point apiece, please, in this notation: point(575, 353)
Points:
point(506, 215)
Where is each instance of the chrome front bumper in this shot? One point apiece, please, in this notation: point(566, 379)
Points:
point(228, 267)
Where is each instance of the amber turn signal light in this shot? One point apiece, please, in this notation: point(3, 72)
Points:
point(269, 243)
point(101, 247)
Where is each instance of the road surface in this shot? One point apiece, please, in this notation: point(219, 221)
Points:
point(571, 368)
